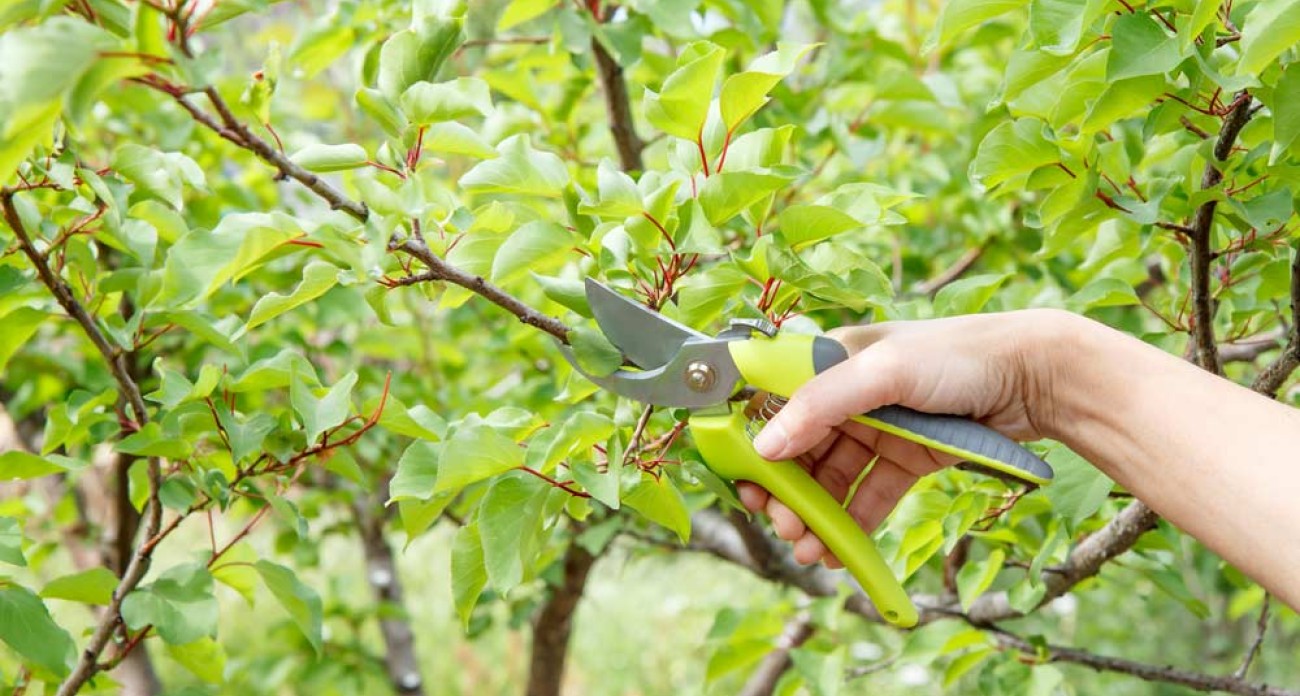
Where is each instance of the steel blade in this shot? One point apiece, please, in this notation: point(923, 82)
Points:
point(646, 337)
point(667, 385)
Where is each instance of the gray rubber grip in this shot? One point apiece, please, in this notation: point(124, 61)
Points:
point(964, 437)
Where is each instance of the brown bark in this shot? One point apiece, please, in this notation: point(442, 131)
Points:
point(763, 681)
point(554, 623)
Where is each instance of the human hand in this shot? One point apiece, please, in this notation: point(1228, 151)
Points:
point(994, 368)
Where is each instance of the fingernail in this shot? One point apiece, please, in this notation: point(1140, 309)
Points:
point(772, 440)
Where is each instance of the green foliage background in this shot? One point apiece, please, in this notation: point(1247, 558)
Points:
point(279, 217)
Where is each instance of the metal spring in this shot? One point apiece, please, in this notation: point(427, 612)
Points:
point(770, 406)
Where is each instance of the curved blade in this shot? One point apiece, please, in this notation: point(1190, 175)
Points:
point(646, 337)
point(666, 385)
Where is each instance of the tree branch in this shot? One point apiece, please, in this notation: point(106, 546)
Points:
point(1201, 234)
point(763, 680)
point(135, 570)
point(555, 622)
point(381, 573)
point(1272, 377)
point(1153, 673)
point(1261, 627)
point(619, 109)
point(952, 273)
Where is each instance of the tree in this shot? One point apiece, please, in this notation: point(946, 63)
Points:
point(278, 283)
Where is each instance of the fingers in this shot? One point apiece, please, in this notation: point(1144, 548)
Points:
point(872, 378)
point(752, 496)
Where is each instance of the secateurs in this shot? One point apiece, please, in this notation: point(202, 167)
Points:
point(683, 368)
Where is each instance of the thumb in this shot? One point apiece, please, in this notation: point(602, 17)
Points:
point(872, 378)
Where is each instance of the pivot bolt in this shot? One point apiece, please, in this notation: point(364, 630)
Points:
point(700, 376)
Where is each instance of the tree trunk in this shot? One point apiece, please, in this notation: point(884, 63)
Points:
point(381, 573)
point(554, 624)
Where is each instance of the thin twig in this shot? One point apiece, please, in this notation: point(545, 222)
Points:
point(1261, 627)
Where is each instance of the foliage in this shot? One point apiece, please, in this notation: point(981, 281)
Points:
point(256, 262)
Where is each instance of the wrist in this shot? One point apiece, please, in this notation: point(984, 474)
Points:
point(1055, 350)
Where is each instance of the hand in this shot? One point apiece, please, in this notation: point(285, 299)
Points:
point(994, 368)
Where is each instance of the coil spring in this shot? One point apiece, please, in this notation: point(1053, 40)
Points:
point(766, 411)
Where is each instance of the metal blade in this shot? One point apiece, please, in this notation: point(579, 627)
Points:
point(668, 384)
point(646, 337)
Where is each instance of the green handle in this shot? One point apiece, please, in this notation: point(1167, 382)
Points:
point(782, 364)
point(727, 450)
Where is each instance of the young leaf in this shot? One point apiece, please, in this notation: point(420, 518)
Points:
point(959, 15)
point(158, 174)
point(967, 295)
point(179, 604)
point(520, 170)
point(427, 102)
point(509, 520)
point(724, 196)
point(417, 472)
point(204, 658)
point(19, 325)
point(1139, 46)
point(595, 354)
point(453, 138)
point(1012, 149)
point(974, 578)
point(319, 157)
point(152, 441)
point(746, 92)
point(474, 453)
point(520, 11)
point(579, 432)
point(417, 53)
point(659, 501)
point(17, 465)
point(27, 628)
point(93, 586)
point(536, 246)
point(317, 278)
point(468, 571)
point(1079, 488)
point(329, 411)
point(301, 601)
point(801, 225)
point(1272, 27)
point(683, 101)
point(11, 542)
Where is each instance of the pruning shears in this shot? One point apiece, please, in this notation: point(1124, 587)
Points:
point(683, 368)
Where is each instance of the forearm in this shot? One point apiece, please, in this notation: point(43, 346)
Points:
point(1212, 457)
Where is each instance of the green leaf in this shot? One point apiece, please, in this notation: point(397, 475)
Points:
point(475, 452)
point(317, 278)
point(1122, 99)
point(161, 175)
point(974, 578)
point(1057, 25)
point(417, 472)
point(453, 138)
point(1103, 292)
point(20, 325)
point(576, 436)
point(301, 601)
point(519, 170)
point(520, 11)
point(602, 485)
point(39, 67)
point(1203, 16)
point(329, 411)
point(1079, 489)
point(569, 292)
point(536, 246)
point(1286, 117)
point(683, 100)
point(204, 658)
point(202, 261)
point(1139, 46)
point(967, 295)
point(468, 571)
point(236, 571)
point(746, 92)
point(152, 441)
point(960, 15)
point(17, 465)
point(964, 664)
point(724, 196)
point(27, 628)
point(659, 501)
point(418, 53)
point(179, 604)
point(1272, 27)
point(382, 110)
point(594, 353)
point(428, 102)
point(802, 225)
point(619, 196)
point(1012, 149)
point(11, 542)
point(93, 586)
point(319, 157)
point(509, 520)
